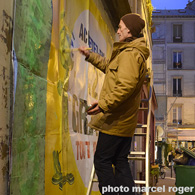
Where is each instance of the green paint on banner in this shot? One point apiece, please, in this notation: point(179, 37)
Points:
point(32, 34)
point(28, 142)
point(33, 24)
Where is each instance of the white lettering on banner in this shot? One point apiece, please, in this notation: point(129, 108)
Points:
point(84, 35)
point(79, 116)
point(84, 148)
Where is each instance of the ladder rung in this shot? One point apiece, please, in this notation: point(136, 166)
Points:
point(144, 109)
point(144, 100)
point(137, 153)
point(95, 180)
point(139, 134)
point(136, 158)
point(140, 182)
point(141, 126)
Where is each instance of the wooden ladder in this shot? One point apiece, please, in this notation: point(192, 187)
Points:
point(144, 155)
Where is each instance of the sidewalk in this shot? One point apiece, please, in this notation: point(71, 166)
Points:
point(166, 184)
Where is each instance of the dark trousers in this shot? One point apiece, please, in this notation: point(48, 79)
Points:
point(113, 150)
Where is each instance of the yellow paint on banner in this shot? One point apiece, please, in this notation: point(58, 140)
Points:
point(53, 135)
point(61, 172)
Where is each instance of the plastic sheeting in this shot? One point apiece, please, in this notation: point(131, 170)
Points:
point(32, 38)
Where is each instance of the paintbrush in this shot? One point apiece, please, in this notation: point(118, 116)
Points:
point(73, 49)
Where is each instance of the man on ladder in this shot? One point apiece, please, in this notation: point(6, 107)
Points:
point(116, 110)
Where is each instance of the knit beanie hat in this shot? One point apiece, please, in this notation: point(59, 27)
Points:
point(134, 23)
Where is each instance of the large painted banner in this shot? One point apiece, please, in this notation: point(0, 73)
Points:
point(53, 147)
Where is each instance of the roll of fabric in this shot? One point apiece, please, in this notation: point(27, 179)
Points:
point(181, 159)
point(189, 152)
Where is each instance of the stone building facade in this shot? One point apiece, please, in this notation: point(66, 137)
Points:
point(174, 73)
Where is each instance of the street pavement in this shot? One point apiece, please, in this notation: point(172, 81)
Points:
point(165, 186)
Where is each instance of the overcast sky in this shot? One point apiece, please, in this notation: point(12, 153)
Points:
point(169, 4)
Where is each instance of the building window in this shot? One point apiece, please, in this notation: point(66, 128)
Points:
point(177, 115)
point(177, 33)
point(177, 60)
point(159, 32)
point(177, 91)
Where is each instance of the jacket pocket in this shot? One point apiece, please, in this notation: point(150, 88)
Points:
point(113, 66)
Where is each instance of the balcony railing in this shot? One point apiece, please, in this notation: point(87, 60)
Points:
point(177, 93)
point(177, 39)
point(177, 65)
point(178, 122)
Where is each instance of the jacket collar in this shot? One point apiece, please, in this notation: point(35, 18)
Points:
point(119, 46)
point(123, 45)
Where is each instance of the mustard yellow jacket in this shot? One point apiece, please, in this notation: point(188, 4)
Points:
point(120, 94)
